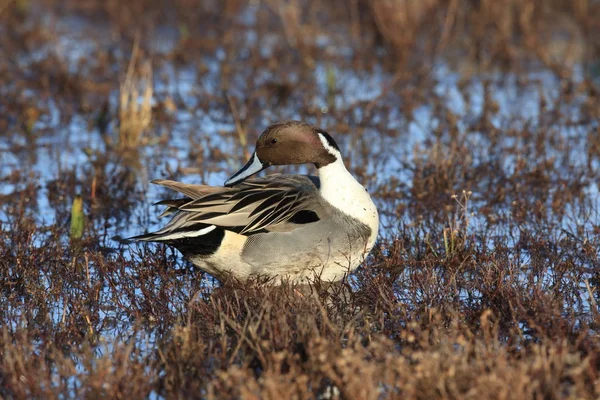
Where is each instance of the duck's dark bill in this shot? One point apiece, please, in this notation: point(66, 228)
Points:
point(253, 166)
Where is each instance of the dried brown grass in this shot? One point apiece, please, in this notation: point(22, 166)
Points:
point(419, 324)
point(491, 32)
point(135, 101)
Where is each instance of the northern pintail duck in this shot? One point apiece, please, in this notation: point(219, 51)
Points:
point(292, 227)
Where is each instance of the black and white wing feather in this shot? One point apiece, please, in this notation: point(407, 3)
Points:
point(257, 205)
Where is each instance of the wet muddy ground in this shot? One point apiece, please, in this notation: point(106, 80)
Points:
point(474, 124)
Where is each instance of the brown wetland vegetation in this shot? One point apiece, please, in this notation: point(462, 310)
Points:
point(475, 124)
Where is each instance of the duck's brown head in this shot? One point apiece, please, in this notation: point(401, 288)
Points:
point(287, 143)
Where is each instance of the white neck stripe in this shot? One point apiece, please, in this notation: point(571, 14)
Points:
point(330, 149)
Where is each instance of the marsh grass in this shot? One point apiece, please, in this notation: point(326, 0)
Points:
point(492, 32)
point(135, 101)
point(484, 282)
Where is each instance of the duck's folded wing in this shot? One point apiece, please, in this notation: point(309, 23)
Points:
point(264, 204)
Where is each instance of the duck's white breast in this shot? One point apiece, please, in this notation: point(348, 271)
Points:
point(341, 190)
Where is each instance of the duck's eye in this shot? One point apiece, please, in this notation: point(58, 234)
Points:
point(273, 141)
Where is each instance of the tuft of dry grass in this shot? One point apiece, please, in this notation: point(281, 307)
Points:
point(135, 101)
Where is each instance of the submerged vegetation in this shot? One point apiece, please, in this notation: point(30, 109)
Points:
point(475, 126)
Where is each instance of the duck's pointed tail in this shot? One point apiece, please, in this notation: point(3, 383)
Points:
point(148, 237)
point(167, 236)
